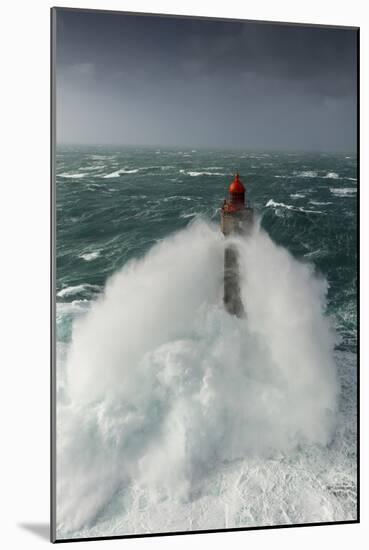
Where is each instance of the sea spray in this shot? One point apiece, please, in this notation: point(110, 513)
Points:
point(164, 388)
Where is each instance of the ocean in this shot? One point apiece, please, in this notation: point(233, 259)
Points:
point(171, 415)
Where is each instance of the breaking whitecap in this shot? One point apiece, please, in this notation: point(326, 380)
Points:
point(89, 256)
point(342, 192)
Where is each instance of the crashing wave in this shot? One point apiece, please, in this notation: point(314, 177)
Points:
point(158, 373)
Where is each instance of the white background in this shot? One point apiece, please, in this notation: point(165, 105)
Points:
point(24, 254)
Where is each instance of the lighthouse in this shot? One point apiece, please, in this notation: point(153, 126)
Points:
point(236, 219)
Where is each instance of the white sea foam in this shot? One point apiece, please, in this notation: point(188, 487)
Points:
point(195, 174)
point(129, 170)
point(278, 205)
point(78, 175)
point(177, 197)
point(274, 204)
point(171, 406)
point(115, 174)
point(320, 203)
point(73, 308)
point(189, 215)
point(313, 253)
point(121, 171)
point(89, 256)
point(343, 191)
point(77, 289)
point(306, 174)
point(297, 196)
point(332, 175)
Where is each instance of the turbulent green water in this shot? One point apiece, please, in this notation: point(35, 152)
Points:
point(114, 204)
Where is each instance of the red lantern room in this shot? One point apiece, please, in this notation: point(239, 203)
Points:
point(237, 193)
point(236, 213)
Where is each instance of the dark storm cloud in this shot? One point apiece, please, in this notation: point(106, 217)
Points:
point(156, 80)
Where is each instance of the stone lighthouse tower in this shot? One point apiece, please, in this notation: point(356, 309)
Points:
point(236, 219)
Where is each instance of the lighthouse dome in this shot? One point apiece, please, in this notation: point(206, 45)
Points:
point(237, 187)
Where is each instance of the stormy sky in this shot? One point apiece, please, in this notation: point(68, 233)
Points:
point(141, 80)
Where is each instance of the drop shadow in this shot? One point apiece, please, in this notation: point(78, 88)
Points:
point(42, 530)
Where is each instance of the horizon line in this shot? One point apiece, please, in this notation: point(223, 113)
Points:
point(196, 148)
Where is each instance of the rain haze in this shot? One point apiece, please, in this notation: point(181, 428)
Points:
point(154, 81)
